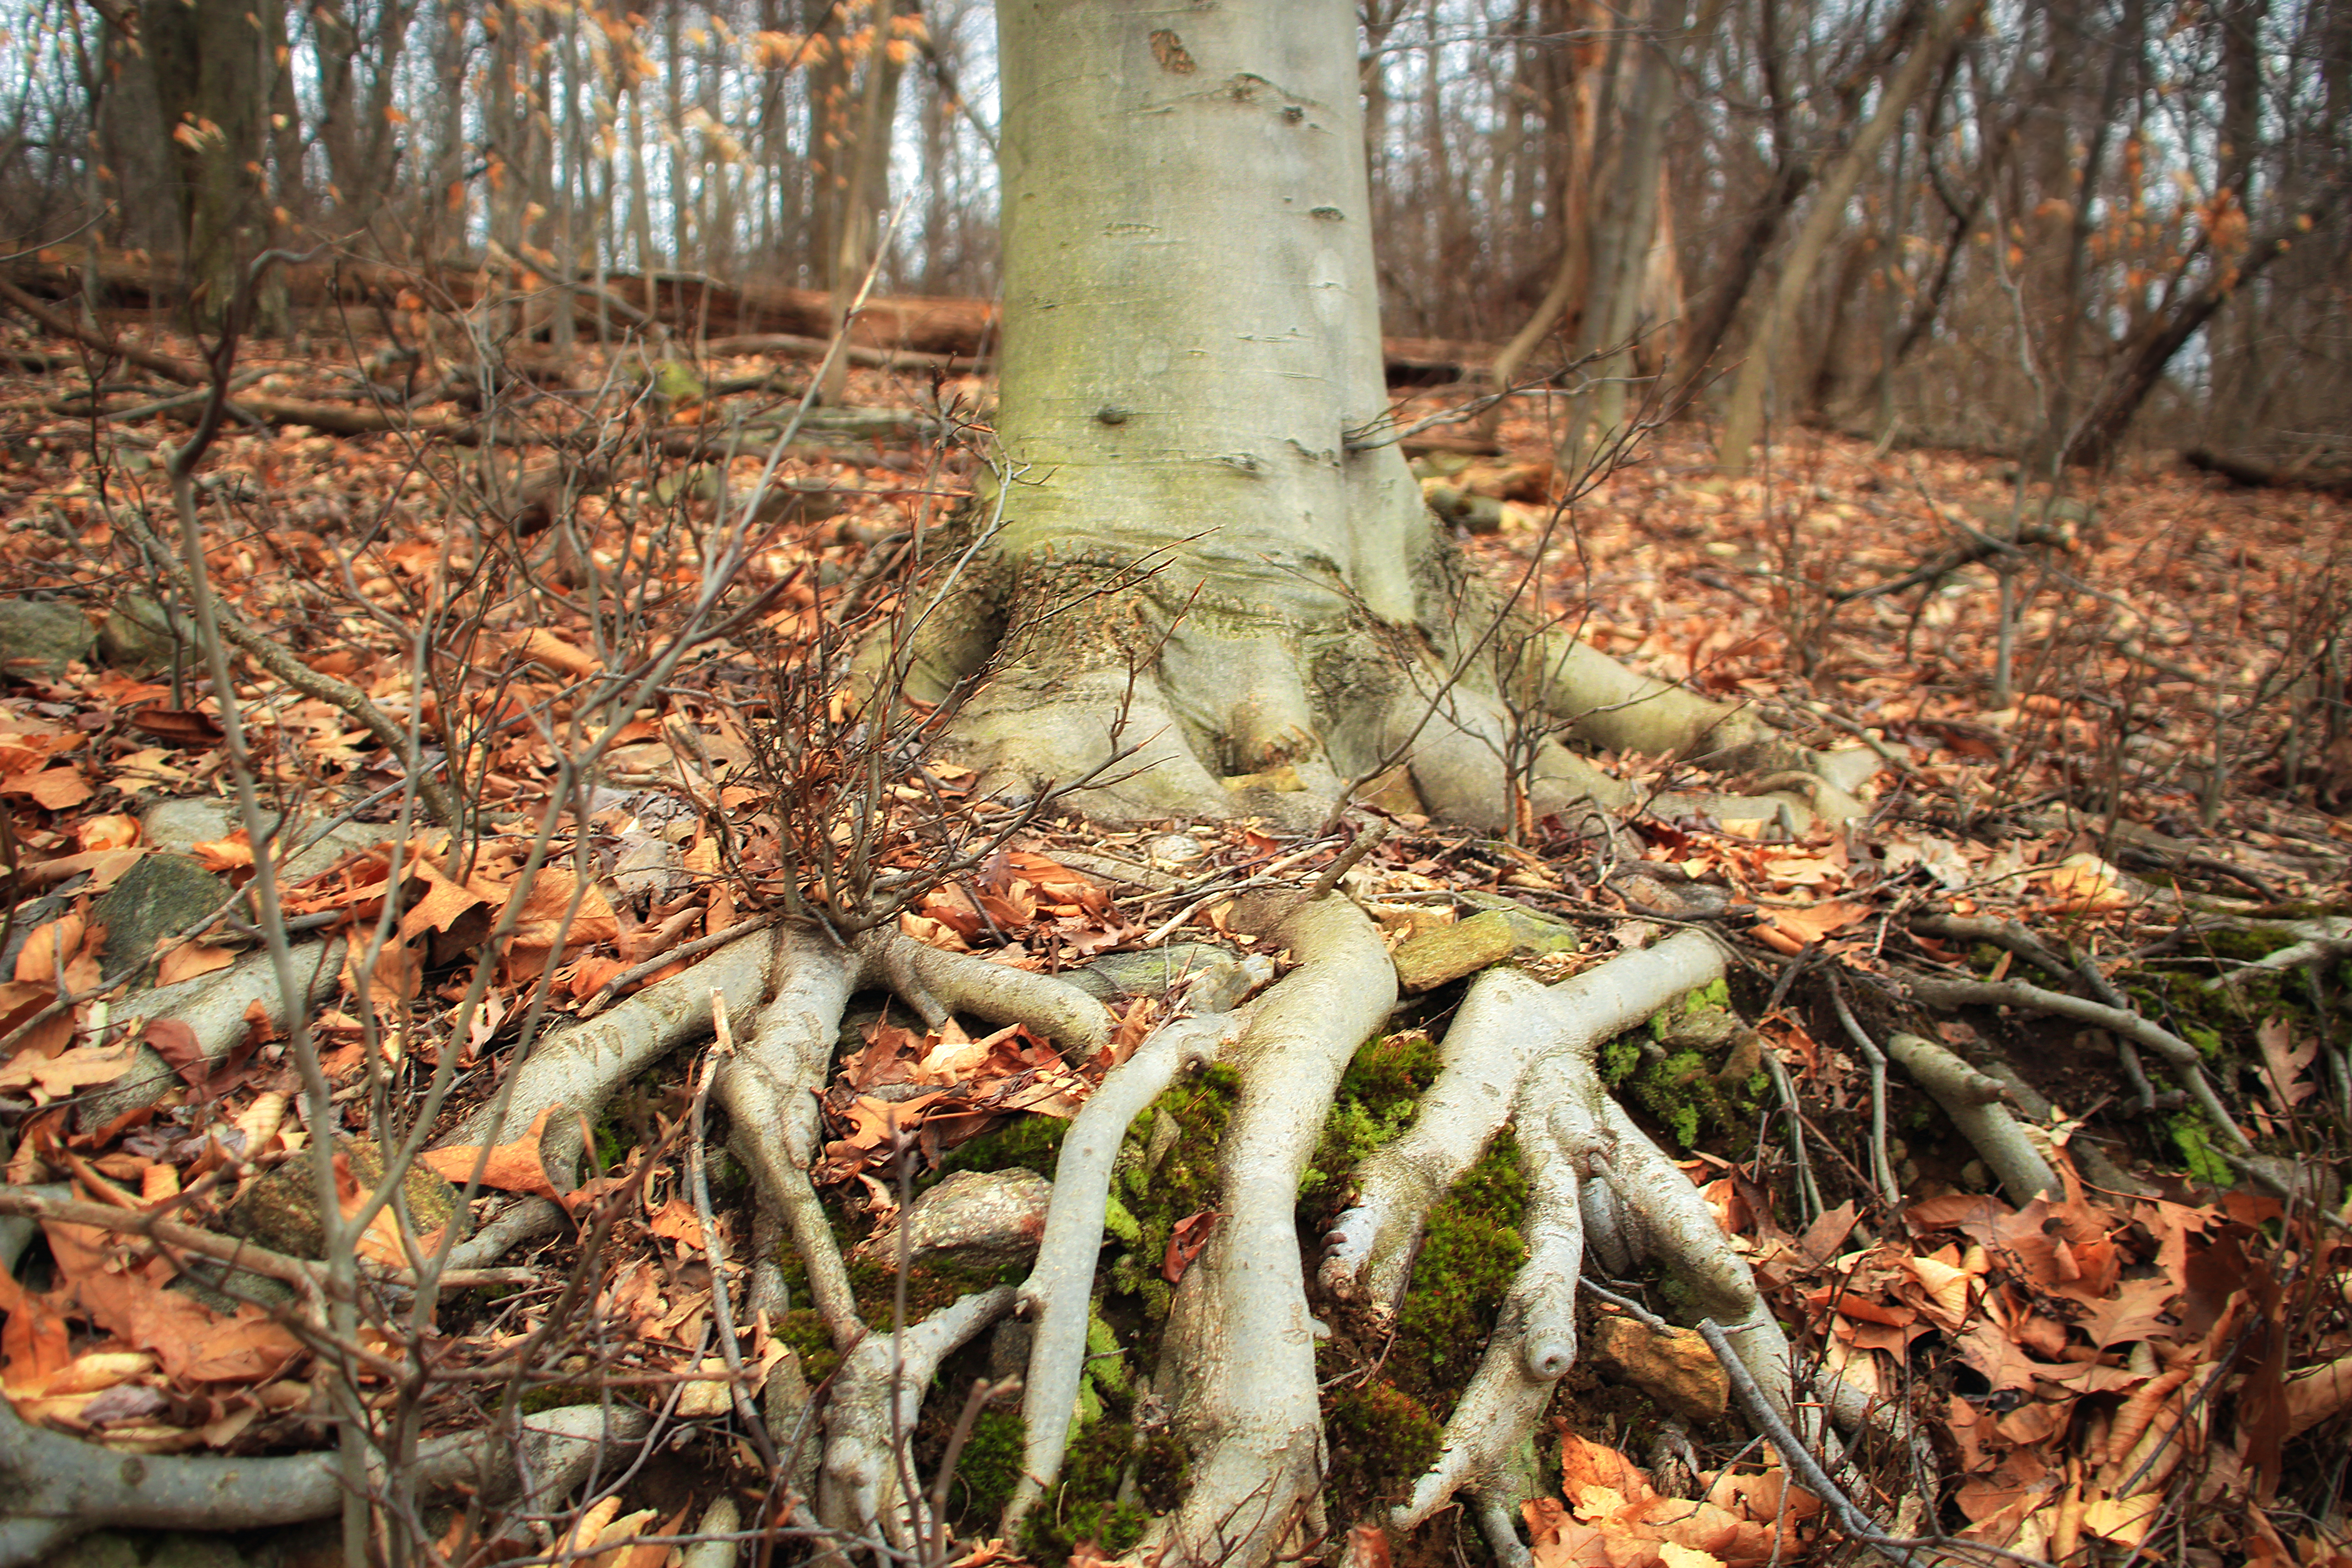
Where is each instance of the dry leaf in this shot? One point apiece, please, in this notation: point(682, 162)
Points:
point(513, 1167)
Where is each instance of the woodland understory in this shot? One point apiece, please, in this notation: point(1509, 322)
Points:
point(714, 1122)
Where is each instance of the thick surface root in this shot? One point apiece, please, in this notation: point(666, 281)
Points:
point(1523, 1050)
point(1060, 1288)
point(1237, 1361)
point(1508, 1023)
point(770, 1087)
point(59, 1487)
point(876, 1399)
point(213, 1006)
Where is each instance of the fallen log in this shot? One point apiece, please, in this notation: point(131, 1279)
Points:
point(908, 332)
point(2255, 473)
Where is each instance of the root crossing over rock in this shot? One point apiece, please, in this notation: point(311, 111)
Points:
point(769, 1087)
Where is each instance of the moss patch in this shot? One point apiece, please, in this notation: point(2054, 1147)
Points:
point(1468, 1257)
point(1083, 1506)
point(990, 1468)
point(933, 1283)
point(1377, 1098)
point(1024, 1142)
point(1168, 1170)
point(1381, 1440)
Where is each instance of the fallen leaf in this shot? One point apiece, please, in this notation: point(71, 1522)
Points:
point(512, 1167)
point(84, 1066)
point(60, 789)
point(1184, 1243)
point(1792, 931)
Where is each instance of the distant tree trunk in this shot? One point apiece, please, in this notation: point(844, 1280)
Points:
point(868, 187)
point(213, 88)
point(2145, 357)
point(2072, 306)
point(1626, 225)
point(140, 167)
point(445, 194)
point(1859, 253)
point(285, 130)
point(1576, 119)
point(1744, 417)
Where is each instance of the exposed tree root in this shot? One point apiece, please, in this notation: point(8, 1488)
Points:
point(57, 1487)
point(1522, 1051)
point(214, 1005)
point(1508, 1022)
point(1973, 1101)
point(1237, 1360)
point(876, 1398)
point(1944, 991)
point(1060, 1288)
point(770, 1087)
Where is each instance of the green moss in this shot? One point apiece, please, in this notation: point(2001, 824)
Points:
point(1083, 1506)
point(934, 1282)
point(1681, 1094)
point(1376, 1100)
point(989, 1467)
point(556, 1395)
point(1105, 1364)
point(1119, 1222)
point(1382, 1439)
point(1183, 1183)
point(1469, 1254)
point(803, 1330)
point(1714, 995)
point(1026, 1142)
point(1619, 1059)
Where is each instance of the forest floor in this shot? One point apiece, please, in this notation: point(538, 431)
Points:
point(2157, 1363)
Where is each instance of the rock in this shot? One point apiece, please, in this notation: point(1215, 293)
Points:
point(175, 827)
point(1213, 978)
point(280, 1211)
point(1667, 896)
point(1500, 932)
point(41, 639)
point(986, 1219)
point(1174, 848)
point(158, 897)
point(140, 637)
point(1536, 935)
point(1432, 959)
point(1673, 1366)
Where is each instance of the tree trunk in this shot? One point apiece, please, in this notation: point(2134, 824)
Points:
point(1576, 128)
point(2145, 357)
point(212, 87)
point(1190, 349)
point(1625, 231)
point(1744, 420)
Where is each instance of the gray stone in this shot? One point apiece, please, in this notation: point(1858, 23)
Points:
point(159, 897)
point(1537, 934)
point(175, 827)
point(1153, 972)
point(37, 638)
point(140, 637)
point(984, 1218)
point(280, 1211)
